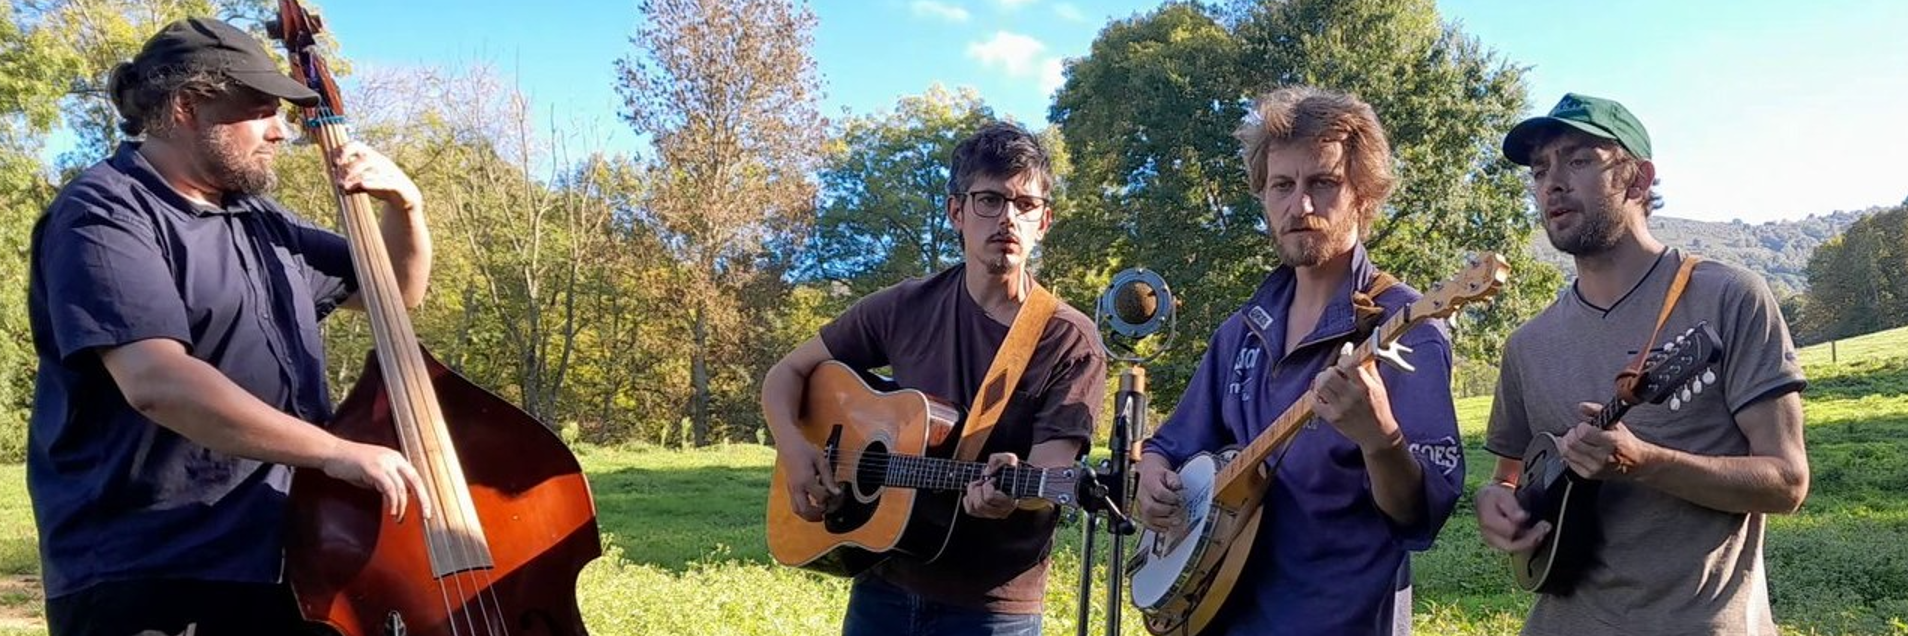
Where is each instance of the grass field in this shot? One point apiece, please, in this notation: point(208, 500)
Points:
point(685, 552)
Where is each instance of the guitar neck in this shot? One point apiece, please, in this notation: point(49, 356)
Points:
point(1613, 410)
point(938, 474)
point(1230, 486)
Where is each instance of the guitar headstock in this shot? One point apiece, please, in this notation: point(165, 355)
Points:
point(1484, 274)
point(1682, 369)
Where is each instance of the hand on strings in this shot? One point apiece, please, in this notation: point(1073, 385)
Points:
point(811, 485)
point(1501, 520)
point(1161, 507)
point(1351, 397)
point(362, 169)
point(983, 499)
point(381, 469)
point(1603, 454)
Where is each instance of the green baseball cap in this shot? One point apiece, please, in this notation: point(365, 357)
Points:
point(1594, 116)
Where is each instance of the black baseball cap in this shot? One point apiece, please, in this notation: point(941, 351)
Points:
point(221, 46)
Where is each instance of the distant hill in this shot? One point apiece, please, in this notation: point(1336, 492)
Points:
point(1779, 250)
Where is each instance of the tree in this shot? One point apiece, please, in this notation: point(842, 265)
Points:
point(1858, 282)
point(883, 184)
point(727, 93)
point(1148, 116)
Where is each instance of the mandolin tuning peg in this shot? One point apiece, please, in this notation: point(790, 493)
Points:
point(1697, 386)
point(1684, 394)
point(1709, 376)
point(1676, 403)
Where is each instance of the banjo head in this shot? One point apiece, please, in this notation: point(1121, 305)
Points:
point(1167, 559)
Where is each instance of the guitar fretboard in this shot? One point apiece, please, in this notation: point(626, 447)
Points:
point(934, 473)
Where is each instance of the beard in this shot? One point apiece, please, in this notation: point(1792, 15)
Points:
point(231, 169)
point(1598, 229)
point(1314, 248)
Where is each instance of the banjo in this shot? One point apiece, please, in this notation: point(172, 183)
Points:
point(1179, 580)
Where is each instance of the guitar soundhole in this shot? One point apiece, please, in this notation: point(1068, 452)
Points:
point(858, 502)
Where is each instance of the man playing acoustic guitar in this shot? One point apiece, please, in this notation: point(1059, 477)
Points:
point(1348, 498)
point(939, 335)
point(1683, 495)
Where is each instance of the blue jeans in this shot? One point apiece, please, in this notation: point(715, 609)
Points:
point(879, 608)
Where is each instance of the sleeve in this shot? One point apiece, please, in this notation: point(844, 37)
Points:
point(327, 258)
point(1508, 433)
point(1071, 404)
point(107, 280)
point(1421, 402)
point(1195, 425)
point(859, 336)
point(1758, 357)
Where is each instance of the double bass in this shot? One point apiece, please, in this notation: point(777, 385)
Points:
point(513, 520)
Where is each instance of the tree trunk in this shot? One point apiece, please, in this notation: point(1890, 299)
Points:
point(699, 376)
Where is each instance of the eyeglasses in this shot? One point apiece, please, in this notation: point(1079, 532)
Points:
point(988, 204)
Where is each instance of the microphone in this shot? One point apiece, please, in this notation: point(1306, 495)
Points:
point(1138, 303)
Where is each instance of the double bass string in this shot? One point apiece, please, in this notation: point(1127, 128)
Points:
point(418, 414)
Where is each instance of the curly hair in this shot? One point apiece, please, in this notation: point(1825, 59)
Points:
point(1298, 114)
point(146, 97)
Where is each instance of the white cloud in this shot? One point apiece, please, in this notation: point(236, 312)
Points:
point(1068, 12)
point(1019, 57)
point(932, 9)
point(1017, 54)
point(1051, 76)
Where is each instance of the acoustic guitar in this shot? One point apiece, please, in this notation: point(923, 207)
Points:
point(891, 450)
point(1550, 491)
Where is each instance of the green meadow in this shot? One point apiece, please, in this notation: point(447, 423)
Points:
point(684, 548)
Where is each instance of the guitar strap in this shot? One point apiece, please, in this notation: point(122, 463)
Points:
point(1004, 373)
point(1626, 380)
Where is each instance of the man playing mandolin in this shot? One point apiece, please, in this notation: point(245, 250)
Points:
point(174, 308)
point(1379, 470)
point(939, 335)
point(1683, 493)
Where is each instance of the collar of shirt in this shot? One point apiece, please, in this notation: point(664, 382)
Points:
point(1265, 313)
point(127, 159)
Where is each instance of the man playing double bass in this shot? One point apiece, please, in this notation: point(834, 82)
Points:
point(174, 309)
point(939, 335)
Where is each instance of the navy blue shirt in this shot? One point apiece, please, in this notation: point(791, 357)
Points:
point(120, 256)
point(1327, 561)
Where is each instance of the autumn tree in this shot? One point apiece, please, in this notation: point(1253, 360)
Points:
point(727, 94)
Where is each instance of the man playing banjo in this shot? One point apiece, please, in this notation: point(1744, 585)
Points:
point(1347, 499)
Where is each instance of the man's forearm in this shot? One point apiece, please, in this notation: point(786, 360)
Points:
point(408, 242)
point(1729, 484)
point(1397, 482)
point(195, 400)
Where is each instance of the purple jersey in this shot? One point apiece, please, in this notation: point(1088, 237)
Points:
point(1326, 560)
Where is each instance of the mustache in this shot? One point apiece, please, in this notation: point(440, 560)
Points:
point(1310, 223)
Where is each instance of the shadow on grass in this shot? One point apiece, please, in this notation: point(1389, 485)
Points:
point(671, 517)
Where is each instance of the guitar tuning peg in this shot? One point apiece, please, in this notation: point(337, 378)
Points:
point(1709, 376)
point(1676, 403)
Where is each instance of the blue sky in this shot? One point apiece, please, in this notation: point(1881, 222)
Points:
point(1758, 110)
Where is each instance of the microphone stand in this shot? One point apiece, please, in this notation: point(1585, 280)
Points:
point(1104, 494)
point(1110, 490)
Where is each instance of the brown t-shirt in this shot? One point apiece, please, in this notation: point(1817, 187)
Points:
point(1665, 566)
point(939, 341)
